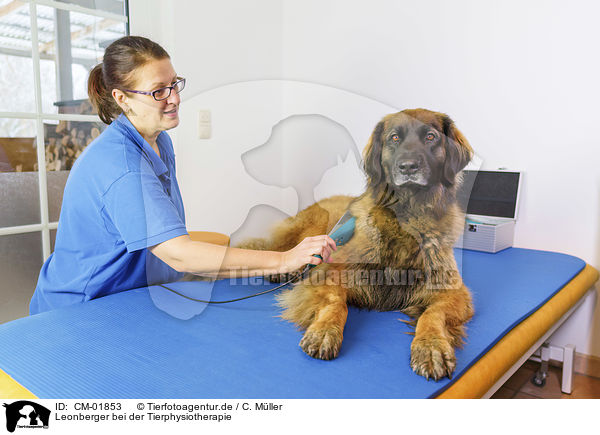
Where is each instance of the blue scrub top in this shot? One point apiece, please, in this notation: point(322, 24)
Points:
point(120, 199)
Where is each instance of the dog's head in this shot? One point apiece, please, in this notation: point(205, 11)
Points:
point(416, 148)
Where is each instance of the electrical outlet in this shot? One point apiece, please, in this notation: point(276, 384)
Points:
point(204, 126)
point(204, 132)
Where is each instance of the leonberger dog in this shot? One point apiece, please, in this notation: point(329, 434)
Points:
point(401, 254)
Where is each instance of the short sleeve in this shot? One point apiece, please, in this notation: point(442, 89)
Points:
point(140, 210)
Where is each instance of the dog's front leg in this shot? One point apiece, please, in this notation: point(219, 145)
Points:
point(439, 328)
point(320, 309)
point(323, 338)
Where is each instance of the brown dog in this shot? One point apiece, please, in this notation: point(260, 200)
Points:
point(400, 257)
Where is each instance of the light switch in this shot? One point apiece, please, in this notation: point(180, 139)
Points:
point(205, 116)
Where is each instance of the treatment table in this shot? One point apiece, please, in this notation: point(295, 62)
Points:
point(128, 345)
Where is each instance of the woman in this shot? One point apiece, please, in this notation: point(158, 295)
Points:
point(122, 223)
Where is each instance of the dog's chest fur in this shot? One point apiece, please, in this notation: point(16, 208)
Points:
point(395, 251)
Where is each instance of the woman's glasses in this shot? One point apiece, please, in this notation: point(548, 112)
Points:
point(163, 93)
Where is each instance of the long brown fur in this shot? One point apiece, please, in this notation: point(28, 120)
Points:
point(400, 257)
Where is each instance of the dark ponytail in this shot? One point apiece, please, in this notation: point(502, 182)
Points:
point(100, 97)
point(117, 71)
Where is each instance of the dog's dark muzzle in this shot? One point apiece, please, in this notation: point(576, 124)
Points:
point(410, 168)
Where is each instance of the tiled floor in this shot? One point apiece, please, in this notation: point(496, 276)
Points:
point(519, 386)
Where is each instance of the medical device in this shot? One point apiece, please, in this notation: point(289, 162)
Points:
point(341, 233)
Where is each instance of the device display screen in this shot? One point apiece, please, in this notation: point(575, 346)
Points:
point(489, 193)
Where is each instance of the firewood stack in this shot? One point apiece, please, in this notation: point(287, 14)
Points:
point(67, 140)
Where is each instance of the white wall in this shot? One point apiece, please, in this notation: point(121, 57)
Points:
point(519, 78)
point(276, 147)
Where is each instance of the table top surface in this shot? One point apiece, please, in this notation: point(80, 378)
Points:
point(150, 343)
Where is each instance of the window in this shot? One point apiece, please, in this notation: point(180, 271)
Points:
point(47, 49)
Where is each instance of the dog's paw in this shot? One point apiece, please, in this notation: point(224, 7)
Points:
point(432, 357)
point(321, 343)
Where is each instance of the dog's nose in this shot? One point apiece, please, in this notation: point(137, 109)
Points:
point(408, 166)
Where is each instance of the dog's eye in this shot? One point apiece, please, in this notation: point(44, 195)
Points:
point(429, 137)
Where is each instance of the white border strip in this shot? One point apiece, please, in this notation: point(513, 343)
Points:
point(70, 117)
point(80, 9)
point(22, 229)
point(41, 146)
point(53, 116)
point(19, 115)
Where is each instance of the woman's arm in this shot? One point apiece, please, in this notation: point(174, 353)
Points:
point(200, 258)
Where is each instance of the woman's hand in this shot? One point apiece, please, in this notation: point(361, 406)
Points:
point(304, 253)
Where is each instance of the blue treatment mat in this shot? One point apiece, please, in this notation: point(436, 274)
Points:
point(123, 346)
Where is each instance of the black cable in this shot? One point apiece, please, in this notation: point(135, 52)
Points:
point(340, 228)
point(238, 299)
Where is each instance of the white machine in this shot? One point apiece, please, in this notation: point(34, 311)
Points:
point(491, 200)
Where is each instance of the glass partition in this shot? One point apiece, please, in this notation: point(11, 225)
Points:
point(44, 89)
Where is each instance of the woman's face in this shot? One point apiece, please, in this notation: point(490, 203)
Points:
point(148, 115)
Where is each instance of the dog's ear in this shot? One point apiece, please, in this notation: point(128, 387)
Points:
point(458, 152)
point(372, 155)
